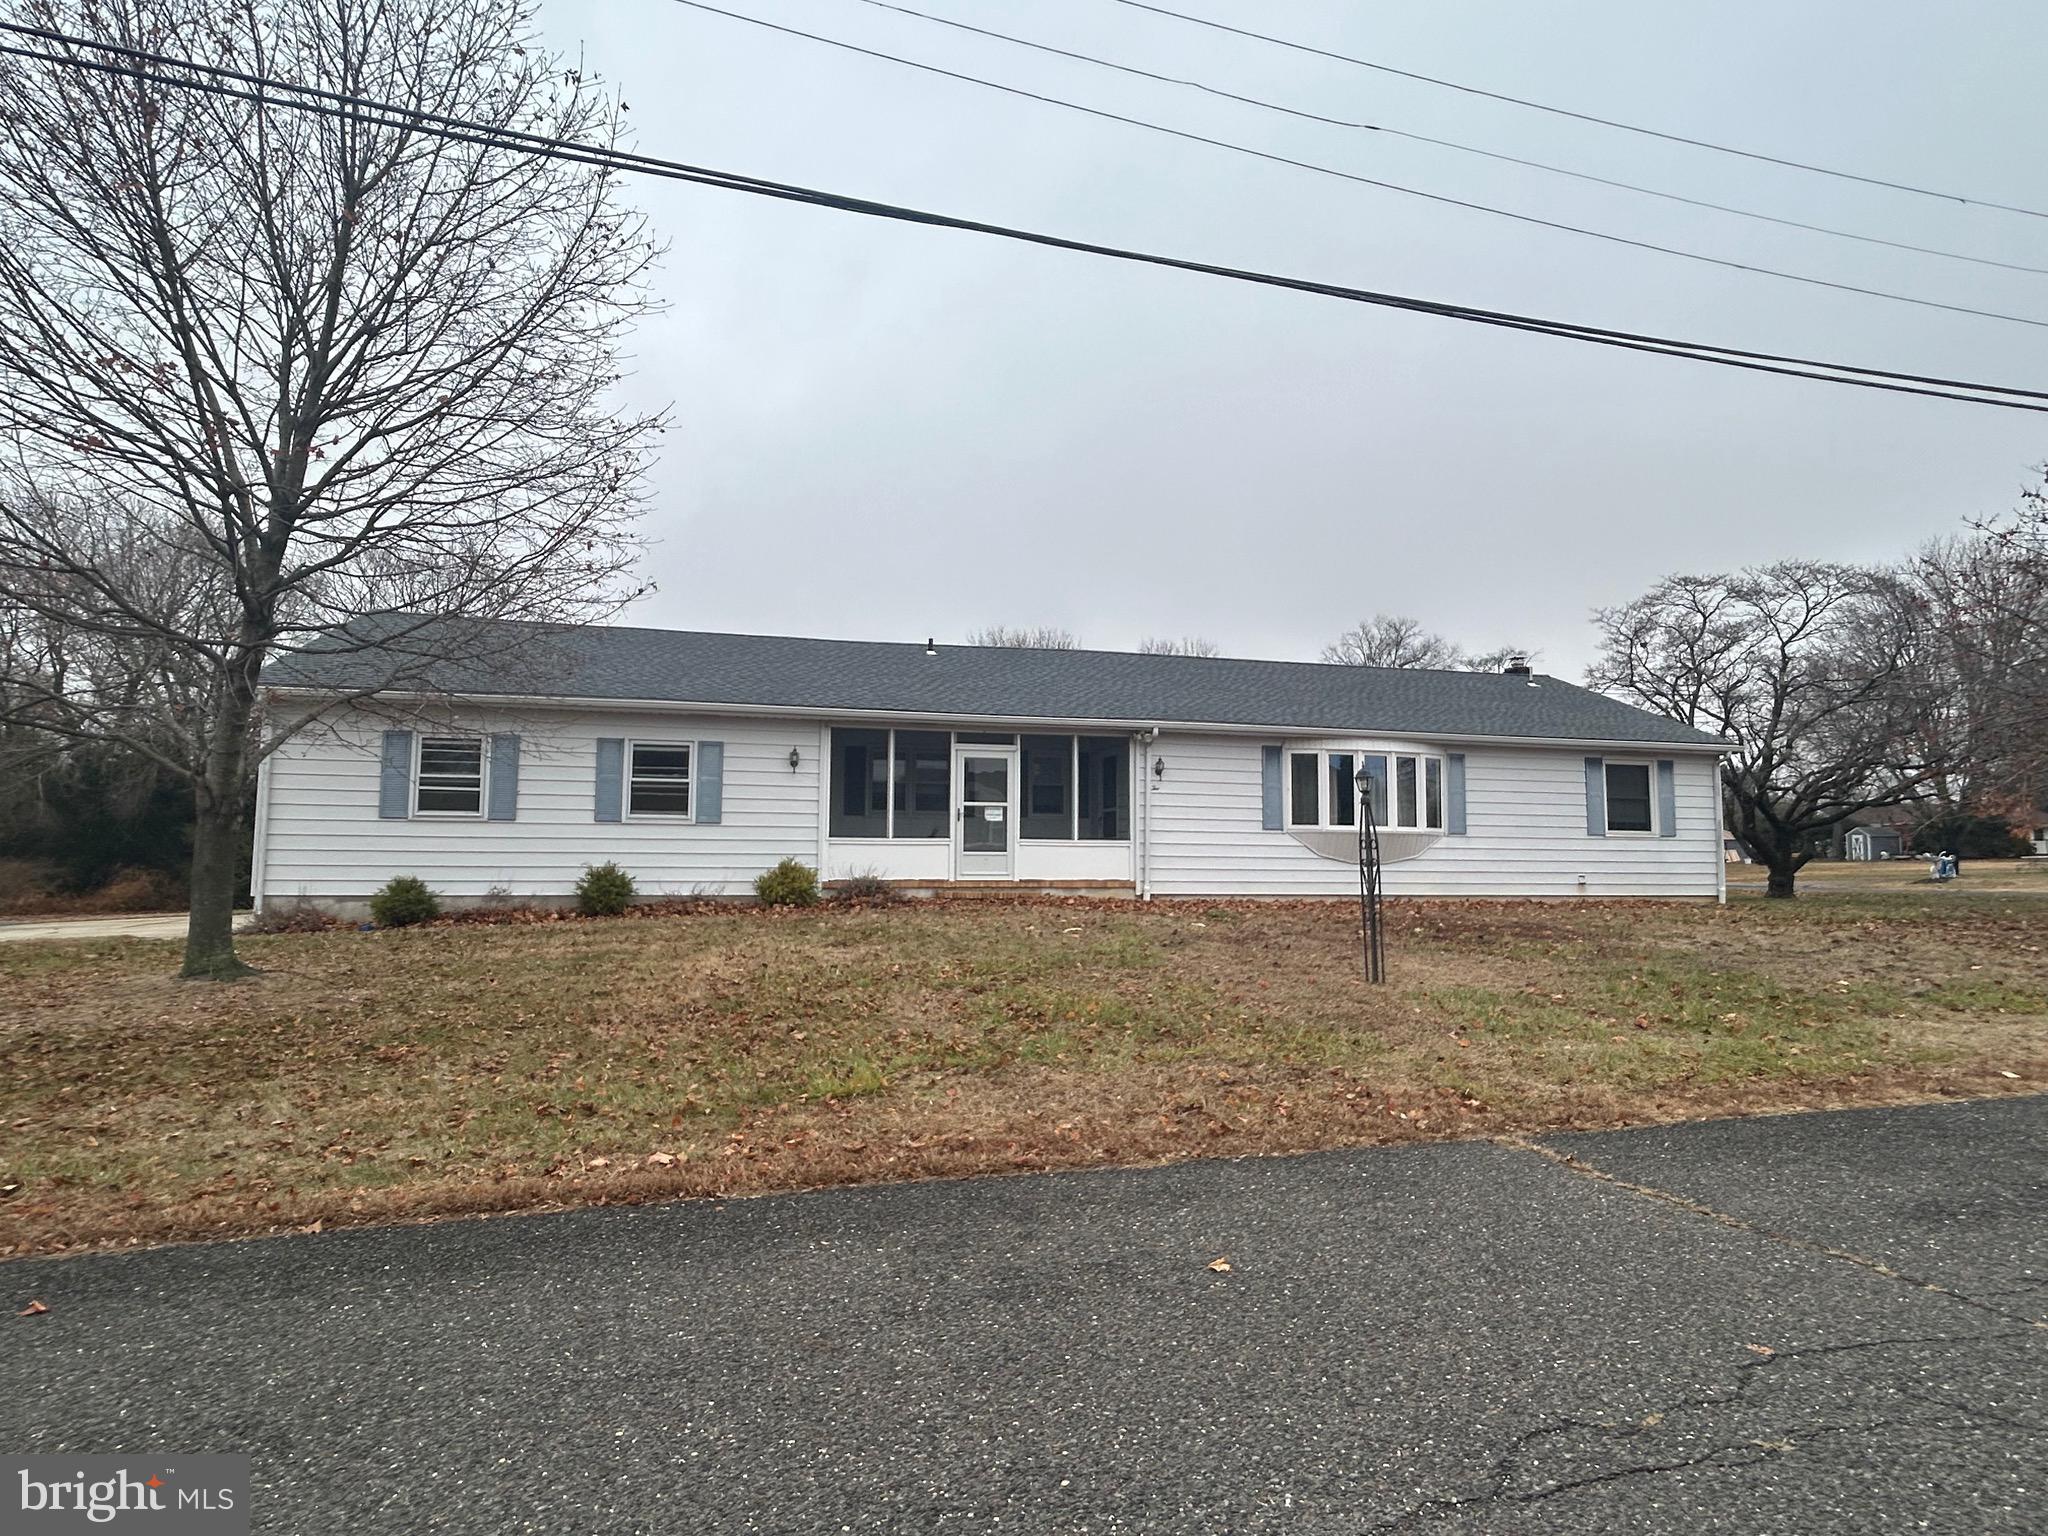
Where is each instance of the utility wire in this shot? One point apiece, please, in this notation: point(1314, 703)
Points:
point(1583, 117)
point(1367, 181)
point(1462, 148)
point(265, 93)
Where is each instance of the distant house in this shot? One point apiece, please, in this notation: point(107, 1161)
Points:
point(697, 761)
point(1864, 844)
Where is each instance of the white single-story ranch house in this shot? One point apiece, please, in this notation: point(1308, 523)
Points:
point(697, 761)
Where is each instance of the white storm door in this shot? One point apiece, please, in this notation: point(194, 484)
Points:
point(985, 790)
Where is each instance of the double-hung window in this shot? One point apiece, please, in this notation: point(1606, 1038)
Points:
point(449, 778)
point(1630, 804)
point(658, 779)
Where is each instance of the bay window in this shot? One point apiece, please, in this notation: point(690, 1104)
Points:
point(1323, 790)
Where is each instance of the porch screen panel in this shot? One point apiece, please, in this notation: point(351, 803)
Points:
point(1048, 788)
point(924, 775)
point(1105, 788)
point(860, 783)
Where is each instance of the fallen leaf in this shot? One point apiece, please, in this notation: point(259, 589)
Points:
point(1760, 1349)
point(661, 1159)
point(1221, 1266)
point(599, 1162)
point(37, 1308)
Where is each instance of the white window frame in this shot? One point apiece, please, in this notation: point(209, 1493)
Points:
point(670, 818)
point(483, 777)
point(1358, 755)
point(1607, 796)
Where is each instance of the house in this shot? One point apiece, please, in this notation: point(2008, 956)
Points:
point(1864, 844)
point(697, 761)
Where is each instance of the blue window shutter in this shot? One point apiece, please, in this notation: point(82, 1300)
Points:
point(1454, 794)
point(708, 790)
point(504, 778)
point(611, 774)
point(1596, 797)
point(394, 784)
point(1667, 797)
point(1269, 788)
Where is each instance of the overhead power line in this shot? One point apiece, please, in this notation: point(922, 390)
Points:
point(1266, 105)
point(1583, 117)
point(265, 92)
point(1369, 181)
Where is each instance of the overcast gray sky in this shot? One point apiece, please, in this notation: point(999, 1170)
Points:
point(887, 432)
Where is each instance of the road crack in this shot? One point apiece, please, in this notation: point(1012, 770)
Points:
point(1572, 1163)
point(1730, 1452)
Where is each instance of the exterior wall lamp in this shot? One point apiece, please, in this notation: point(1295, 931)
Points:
point(1158, 767)
point(795, 757)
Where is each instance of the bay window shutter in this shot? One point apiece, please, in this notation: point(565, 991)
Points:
point(1667, 797)
point(1596, 797)
point(394, 781)
point(1454, 794)
point(504, 778)
point(611, 774)
point(708, 790)
point(1269, 788)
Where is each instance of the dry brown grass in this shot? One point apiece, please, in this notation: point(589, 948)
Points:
point(476, 1068)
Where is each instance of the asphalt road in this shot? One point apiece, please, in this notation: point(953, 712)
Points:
point(1454, 1338)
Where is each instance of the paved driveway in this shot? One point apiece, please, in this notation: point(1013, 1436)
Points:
point(1826, 1323)
point(130, 925)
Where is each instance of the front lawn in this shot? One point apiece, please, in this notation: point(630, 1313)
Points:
point(378, 1076)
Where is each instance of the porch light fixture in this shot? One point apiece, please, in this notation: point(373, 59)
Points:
point(1158, 767)
point(795, 757)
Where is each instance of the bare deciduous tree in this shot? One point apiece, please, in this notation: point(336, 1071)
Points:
point(1985, 611)
point(1186, 645)
point(1046, 637)
point(1391, 640)
point(264, 373)
point(1816, 673)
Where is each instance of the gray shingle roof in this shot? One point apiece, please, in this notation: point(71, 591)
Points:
point(616, 662)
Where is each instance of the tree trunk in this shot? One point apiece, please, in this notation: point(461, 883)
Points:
point(217, 826)
point(216, 852)
point(1782, 873)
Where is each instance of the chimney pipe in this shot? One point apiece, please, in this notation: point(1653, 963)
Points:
point(1518, 665)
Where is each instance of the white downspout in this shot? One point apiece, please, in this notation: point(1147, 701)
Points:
point(259, 841)
point(1721, 839)
point(1146, 740)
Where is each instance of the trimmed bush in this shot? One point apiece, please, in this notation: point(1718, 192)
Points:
point(788, 884)
point(866, 888)
point(604, 891)
point(405, 900)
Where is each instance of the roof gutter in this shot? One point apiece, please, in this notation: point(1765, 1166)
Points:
point(1104, 724)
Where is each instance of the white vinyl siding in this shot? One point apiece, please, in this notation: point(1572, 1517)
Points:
point(1525, 813)
point(1199, 825)
point(323, 838)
